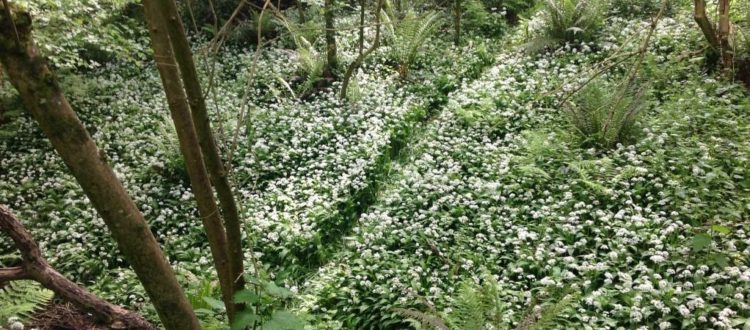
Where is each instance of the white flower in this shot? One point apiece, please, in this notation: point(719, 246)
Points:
point(684, 311)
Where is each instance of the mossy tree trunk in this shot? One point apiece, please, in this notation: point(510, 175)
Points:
point(44, 99)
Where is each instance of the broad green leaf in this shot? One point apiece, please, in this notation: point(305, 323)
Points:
point(214, 303)
point(721, 229)
point(701, 242)
point(246, 297)
point(284, 320)
point(277, 291)
point(244, 319)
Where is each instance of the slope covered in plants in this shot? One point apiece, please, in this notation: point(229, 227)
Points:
point(566, 164)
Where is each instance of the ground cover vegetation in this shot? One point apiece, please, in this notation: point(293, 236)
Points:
point(395, 164)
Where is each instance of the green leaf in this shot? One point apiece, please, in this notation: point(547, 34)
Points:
point(719, 259)
point(276, 291)
point(214, 303)
point(701, 242)
point(244, 319)
point(246, 297)
point(721, 229)
point(284, 320)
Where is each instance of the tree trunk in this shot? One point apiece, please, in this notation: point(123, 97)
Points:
point(358, 61)
point(727, 53)
point(699, 14)
point(362, 26)
point(44, 99)
point(331, 59)
point(457, 22)
point(36, 268)
point(301, 11)
point(191, 150)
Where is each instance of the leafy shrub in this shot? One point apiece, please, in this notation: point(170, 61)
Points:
point(605, 115)
point(311, 63)
point(637, 8)
point(478, 19)
point(246, 31)
point(569, 21)
point(482, 306)
point(408, 35)
point(511, 9)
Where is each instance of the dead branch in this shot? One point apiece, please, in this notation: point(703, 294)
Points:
point(35, 267)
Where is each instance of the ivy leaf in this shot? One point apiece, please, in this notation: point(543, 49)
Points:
point(284, 320)
point(701, 242)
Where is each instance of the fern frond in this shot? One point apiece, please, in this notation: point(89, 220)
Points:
point(22, 299)
point(424, 318)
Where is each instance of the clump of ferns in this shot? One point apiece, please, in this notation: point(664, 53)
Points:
point(567, 21)
point(604, 115)
point(22, 299)
point(485, 305)
point(408, 35)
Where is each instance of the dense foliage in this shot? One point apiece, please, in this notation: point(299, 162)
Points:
point(470, 186)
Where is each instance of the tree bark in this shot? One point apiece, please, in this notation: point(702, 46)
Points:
point(191, 150)
point(210, 151)
point(362, 26)
point(36, 268)
point(44, 99)
point(699, 14)
point(727, 53)
point(457, 22)
point(361, 58)
point(331, 58)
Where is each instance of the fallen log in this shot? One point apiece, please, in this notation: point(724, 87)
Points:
point(35, 267)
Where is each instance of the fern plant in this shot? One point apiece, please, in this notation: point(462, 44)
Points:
point(408, 35)
point(482, 306)
point(310, 62)
point(568, 21)
point(476, 306)
point(605, 115)
point(22, 299)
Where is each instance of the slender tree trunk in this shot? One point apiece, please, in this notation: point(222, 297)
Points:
point(331, 59)
point(727, 53)
point(191, 150)
point(301, 12)
point(699, 14)
point(362, 26)
point(36, 268)
point(216, 169)
point(456, 22)
point(361, 58)
point(44, 99)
